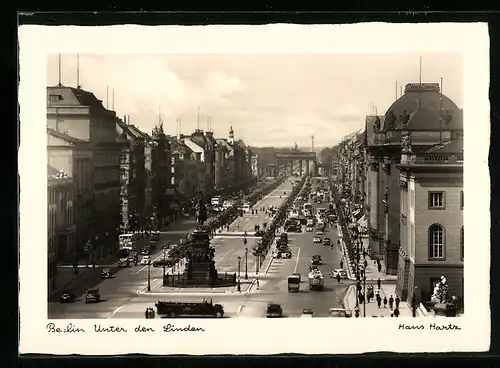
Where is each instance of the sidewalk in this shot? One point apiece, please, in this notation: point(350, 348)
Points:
point(372, 309)
point(372, 273)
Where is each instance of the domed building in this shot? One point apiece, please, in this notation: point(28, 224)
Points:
point(424, 117)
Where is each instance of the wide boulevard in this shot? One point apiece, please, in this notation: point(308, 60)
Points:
point(125, 296)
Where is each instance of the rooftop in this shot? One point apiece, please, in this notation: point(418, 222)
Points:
point(64, 136)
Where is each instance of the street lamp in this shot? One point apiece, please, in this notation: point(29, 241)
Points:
point(149, 275)
point(239, 274)
point(246, 263)
point(164, 266)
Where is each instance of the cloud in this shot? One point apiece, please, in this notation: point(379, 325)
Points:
point(222, 84)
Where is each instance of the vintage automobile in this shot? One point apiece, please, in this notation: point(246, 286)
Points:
point(67, 296)
point(106, 273)
point(316, 260)
point(92, 296)
point(317, 239)
point(326, 241)
point(338, 271)
point(274, 310)
point(307, 313)
point(339, 313)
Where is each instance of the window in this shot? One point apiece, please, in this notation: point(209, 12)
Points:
point(462, 200)
point(436, 242)
point(462, 243)
point(55, 98)
point(436, 200)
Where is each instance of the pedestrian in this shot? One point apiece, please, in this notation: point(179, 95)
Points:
point(364, 254)
point(258, 284)
point(379, 266)
point(385, 302)
point(378, 283)
point(391, 302)
point(397, 300)
point(396, 312)
point(338, 278)
point(366, 263)
point(341, 264)
point(379, 300)
point(361, 298)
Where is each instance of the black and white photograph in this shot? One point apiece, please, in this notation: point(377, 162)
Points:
point(188, 187)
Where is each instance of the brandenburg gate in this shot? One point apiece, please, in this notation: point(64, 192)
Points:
point(307, 160)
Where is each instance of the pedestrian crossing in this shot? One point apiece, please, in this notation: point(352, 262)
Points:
point(275, 266)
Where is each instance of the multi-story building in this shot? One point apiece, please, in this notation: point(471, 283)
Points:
point(186, 169)
point(133, 176)
point(79, 114)
point(203, 145)
point(74, 157)
point(60, 215)
point(431, 220)
point(432, 119)
point(161, 175)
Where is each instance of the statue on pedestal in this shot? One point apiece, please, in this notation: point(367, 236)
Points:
point(201, 213)
point(406, 143)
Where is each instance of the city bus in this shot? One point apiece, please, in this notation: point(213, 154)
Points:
point(127, 241)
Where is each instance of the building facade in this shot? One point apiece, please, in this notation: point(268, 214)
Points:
point(431, 220)
point(79, 114)
point(255, 165)
point(161, 175)
point(61, 227)
point(133, 177)
point(432, 119)
point(75, 158)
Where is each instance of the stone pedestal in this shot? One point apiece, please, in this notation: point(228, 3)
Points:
point(200, 267)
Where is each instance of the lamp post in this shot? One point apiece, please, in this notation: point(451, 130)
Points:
point(164, 265)
point(246, 263)
point(149, 276)
point(239, 274)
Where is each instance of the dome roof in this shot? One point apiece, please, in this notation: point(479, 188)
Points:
point(421, 103)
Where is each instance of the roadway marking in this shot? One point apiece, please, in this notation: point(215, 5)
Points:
point(297, 261)
point(115, 311)
point(239, 309)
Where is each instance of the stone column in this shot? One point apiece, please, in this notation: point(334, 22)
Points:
point(300, 168)
point(307, 167)
point(313, 168)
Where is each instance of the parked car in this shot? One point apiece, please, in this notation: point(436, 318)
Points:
point(307, 313)
point(92, 296)
point(146, 260)
point(339, 313)
point(317, 239)
point(106, 273)
point(274, 310)
point(309, 229)
point(146, 252)
point(67, 296)
point(326, 241)
point(320, 232)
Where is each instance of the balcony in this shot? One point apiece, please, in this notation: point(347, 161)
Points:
point(433, 159)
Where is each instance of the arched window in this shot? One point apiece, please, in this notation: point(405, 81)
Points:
point(462, 243)
point(436, 242)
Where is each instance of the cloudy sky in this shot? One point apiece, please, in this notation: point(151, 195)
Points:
point(273, 99)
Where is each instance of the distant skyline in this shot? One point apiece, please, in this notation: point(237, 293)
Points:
point(269, 99)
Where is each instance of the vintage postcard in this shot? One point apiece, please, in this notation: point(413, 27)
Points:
point(254, 189)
